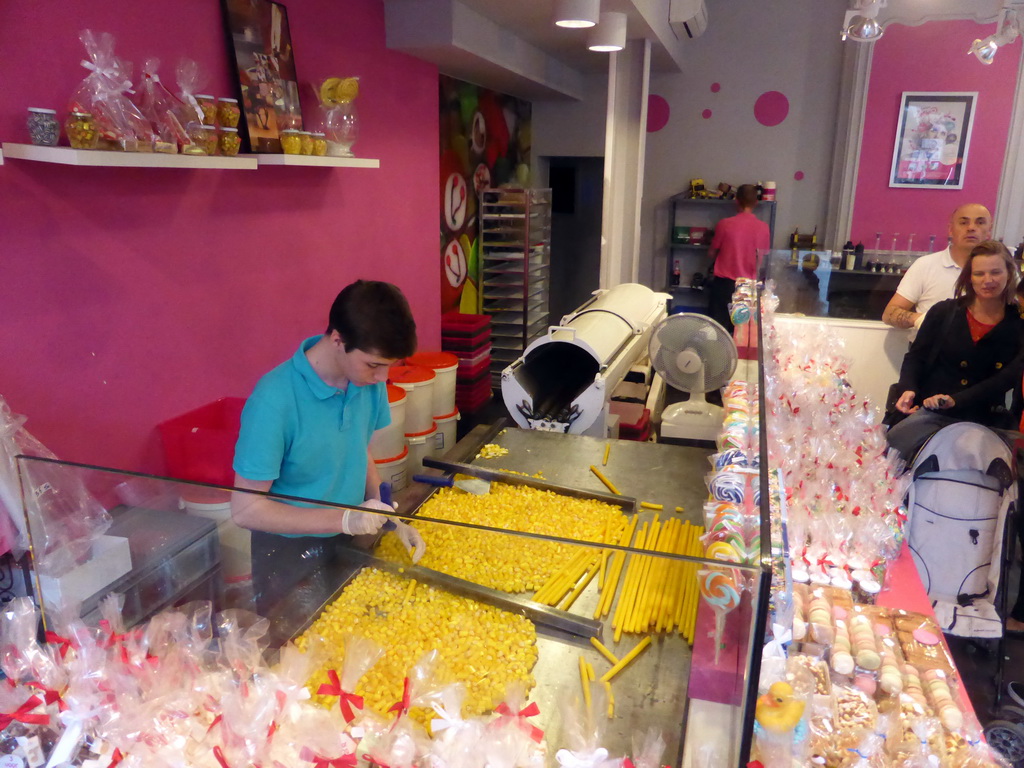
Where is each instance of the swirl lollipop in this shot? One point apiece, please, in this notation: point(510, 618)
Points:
point(733, 457)
point(727, 486)
point(720, 587)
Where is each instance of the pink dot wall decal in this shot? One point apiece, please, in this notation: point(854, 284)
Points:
point(771, 108)
point(657, 113)
point(799, 175)
point(716, 87)
point(706, 114)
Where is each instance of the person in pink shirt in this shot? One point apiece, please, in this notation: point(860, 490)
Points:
point(736, 249)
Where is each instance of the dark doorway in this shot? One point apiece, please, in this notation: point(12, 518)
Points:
point(577, 192)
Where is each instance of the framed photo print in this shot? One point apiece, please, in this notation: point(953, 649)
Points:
point(260, 42)
point(932, 138)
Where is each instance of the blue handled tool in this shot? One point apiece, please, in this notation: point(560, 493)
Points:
point(438, 480)
point(385, 496)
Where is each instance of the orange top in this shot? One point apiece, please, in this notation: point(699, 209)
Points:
point(395, 394)
point(410, 374)
point(433, 428)
point(435, 360)
point(402, 455)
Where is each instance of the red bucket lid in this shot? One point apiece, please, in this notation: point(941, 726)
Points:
point(402, 455)
point(395, 394)
point(453, 415)
point(433, 428)
point(410, 374)
point(434, 360)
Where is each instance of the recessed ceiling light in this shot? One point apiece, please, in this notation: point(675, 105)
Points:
point(610, 33)
point(577, 14)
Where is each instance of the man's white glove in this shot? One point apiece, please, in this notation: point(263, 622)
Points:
point(357, 523)
point(411, 540)
point(918, 321)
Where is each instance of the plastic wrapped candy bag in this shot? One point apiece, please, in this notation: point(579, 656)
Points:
point(191, 81)
point(104, 95)
point(65, 519)
point(165, 111)
point(583, 733)
point(405, 741)
point(361, 654)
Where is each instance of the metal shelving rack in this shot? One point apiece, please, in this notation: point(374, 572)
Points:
point(701, 212)
point(515, 238)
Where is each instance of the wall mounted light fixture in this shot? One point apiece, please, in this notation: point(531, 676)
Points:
point(861, 22)
point(577, 14)
point(1007, 30)
point(610, 33)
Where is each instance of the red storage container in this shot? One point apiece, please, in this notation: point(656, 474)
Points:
point(470, 373)
point(200, 445)
point(458, 324)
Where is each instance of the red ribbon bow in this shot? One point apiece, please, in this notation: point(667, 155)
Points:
point(347, 700)
point(63, 642)
point(22, 714)
point(319, 761)
point(113, 637)
point(402, 706)
point(530, 710)
point(219, 754)
point(49, 695)
point(115, 758)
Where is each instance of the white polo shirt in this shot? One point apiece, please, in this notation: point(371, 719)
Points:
point(929, 280)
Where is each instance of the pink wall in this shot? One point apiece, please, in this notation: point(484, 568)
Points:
point(128, 296)
point(930, 57)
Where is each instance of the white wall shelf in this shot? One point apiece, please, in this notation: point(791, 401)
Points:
point(327, 162)
point(103, 158)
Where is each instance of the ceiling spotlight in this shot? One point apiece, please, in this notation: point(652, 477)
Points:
point(1007, 30)
point(861, 22)
point(610, 33)
point(577, 14)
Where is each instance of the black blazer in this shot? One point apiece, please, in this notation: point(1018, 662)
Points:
point(977, 375)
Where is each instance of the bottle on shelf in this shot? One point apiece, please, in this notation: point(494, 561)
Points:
point(675, 273)
point(848, 261)
point(858, 256)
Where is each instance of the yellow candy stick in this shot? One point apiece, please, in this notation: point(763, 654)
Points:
point(590, 671)
point(545, 590)
point(666, 581)
point(680, 509)
point(651, 505)
point(611, 699)
point(633, 625)
point(612, 581)
point(569, 582)
point(579, 589)
point(604, 651)
point(624, 661)
point(605, 480)
point(585, 681)
point(657, 582)
point(680, 598)
point(409, 591)
point(629, 587)
point(607, 450)
point(636, 566)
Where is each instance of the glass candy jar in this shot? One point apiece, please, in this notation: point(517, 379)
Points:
point(341, 128)
point(229, 141)
point(228, 113)
point(307, 142)
point(81, 130)
point(209, 106)
point(291, 142)
point(43, 128)
point(319, 144)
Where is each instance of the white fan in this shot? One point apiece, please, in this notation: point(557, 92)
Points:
point(695, 354)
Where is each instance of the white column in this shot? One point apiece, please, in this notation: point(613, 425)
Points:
point(625, 143)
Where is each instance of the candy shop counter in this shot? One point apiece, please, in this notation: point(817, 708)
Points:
point(521, 589)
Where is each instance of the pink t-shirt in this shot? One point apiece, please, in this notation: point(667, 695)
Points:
point(740, 240)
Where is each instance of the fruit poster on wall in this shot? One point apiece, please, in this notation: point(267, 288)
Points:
point(485, 142)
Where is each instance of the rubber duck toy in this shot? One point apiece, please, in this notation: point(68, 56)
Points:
point(777, 711)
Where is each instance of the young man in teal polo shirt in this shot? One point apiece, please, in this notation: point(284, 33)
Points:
point(306, 432)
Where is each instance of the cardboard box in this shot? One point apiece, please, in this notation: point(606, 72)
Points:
point(110, 559)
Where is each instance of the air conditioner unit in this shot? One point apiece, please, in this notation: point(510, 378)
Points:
point(688, 18)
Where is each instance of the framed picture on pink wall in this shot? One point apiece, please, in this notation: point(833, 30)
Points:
point(932, 138)
point(260, 46)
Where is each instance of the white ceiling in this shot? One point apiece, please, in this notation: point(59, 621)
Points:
point(513, 45)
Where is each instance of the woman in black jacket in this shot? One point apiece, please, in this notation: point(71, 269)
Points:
point(967, 355)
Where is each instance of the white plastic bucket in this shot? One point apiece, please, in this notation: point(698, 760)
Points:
point(445, 366)
point(421, 445)
point(394, 470)
point(447, 428)
point(235, 550)
point(390, 441)
point(418, 383)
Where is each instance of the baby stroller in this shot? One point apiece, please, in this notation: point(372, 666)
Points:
point(960, 504)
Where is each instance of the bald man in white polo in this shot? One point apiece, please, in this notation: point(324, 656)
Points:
point(930, 279)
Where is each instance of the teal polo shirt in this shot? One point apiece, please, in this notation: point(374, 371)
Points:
point(308, 437)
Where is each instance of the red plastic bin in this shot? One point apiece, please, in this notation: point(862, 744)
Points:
point(200, 445)
point(458, 324)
